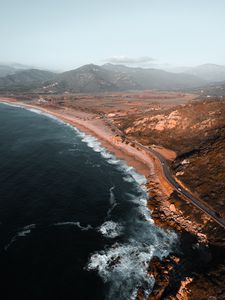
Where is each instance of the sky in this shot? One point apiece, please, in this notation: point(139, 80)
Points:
point(64, 34)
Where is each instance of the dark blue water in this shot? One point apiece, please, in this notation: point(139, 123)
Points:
point(73, 218)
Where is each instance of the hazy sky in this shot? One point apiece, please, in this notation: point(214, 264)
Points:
point(63, 34)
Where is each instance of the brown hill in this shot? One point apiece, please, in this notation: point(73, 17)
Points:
point(196, 132)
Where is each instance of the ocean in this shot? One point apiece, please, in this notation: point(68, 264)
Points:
point(73, 218)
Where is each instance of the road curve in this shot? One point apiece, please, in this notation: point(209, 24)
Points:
point(195, 201)
point(167, 174)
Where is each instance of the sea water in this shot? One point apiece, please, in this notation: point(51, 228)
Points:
point(73, 218)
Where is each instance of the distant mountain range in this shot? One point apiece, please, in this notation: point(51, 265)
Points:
point(26, 80)
point(13, 68)
point(109, 77)
point(208, 72)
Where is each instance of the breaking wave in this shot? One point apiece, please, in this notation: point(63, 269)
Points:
point(110, 229)
point(92, 142)
point(130, 173)
point(123, 266)
point(34, 110)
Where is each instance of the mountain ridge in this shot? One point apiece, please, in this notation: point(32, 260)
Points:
point(93, 78)
point(109, 77)
point(25, 80)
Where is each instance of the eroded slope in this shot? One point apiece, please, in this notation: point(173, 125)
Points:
point(196, 131)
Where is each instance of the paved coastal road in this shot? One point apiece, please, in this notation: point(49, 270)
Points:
point(167, 174)
point(195, 201)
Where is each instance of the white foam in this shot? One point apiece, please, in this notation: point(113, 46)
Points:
point(93, 143)
point(125, 268)
point(106, 154)
point(35, 110)
point(112, 201)
point(11, 104)
point(144, 210)
point(26, 230)
point(96, 145)
point(113, 161)
point(128, 178)
point(110, 229)
point(77, 224)
point(112, 196)
point(21, 233)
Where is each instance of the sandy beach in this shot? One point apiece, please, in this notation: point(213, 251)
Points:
point(96, 126)
point(164, 212)
point(145, 164)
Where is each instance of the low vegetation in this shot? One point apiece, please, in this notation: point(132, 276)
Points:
point(196, 131)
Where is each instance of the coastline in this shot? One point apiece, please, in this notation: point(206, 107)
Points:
point(158, 202)
point(163, 211)
point(96, 127)
point(161, 200)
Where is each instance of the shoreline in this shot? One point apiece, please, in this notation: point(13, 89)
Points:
point(96, 127)
point(160, 202)
point(159, 192)
point(164, 211)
